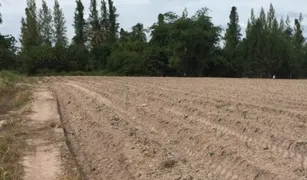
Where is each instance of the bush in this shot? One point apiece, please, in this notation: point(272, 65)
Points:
point(125, 63)
point(8, 78)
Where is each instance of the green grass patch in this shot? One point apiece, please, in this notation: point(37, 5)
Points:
point(78, 73)
point(12, 97)
point(8, 79)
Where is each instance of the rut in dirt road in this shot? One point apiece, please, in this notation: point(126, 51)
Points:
point(43, 161)
point(172, 128)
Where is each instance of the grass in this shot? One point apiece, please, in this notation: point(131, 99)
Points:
point(12, 97)
point(76, 73)
point(10, 155)
point(8, 79)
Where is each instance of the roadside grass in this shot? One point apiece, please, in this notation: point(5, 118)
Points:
point(78, 73)
point(10, 155)
point(12, 98)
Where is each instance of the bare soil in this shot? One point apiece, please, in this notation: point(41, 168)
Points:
point(124, 128)
point(47, 155)
point(43, 161)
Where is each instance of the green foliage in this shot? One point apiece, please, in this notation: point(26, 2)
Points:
point(45, 24)
point(125, 62)
point(113, 24)
point(179, 45)
point(8, 79)
point(232, 41)
point(80, 24)
point(8, 58)
point(59, 28)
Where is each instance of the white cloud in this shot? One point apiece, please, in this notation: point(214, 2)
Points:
point(146, 11)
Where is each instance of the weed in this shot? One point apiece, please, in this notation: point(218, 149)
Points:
point(10, 155)
point(11, 98)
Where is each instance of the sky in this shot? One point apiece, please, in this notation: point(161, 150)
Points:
point(146, 11)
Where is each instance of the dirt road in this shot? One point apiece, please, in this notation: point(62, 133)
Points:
point(43, 160)
point(184, 129)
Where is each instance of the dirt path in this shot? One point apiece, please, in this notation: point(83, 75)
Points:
point(183, 129)
point(43, 160)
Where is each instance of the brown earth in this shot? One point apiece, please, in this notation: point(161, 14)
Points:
point(124, 128)
point(46, 156)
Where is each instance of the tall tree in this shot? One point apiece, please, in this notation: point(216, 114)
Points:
point(59, 28)
point(0, 15)
point(95, 33)
point(232, 40)
point(30, 38)
point(299, 41)
point(270, 16)
point(23, 34)
point(113, 21)
point(33, 36)
point(104, 21)
point(138, 32)
point(79, 24)
point(78, 50)
point(45, 24)
point(298, 34)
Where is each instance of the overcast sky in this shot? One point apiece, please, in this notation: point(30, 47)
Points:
point(146, 11)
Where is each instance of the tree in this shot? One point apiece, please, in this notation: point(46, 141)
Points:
point(32, 37)
point(23, 34)
point(96, 34)
point(270, 16)
point(179, 45)
point(113, 25)
point(299, 41)
point(78, 51)
point(104, 19)
point(1, 16)
point(232, 39)
point(191, 36)
point(138, 33)
point(59, 28)
point(8, 49)
point(79, 24)
point(45, 24)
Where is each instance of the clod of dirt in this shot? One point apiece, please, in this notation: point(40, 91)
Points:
point(68, 102)
point(169, 163)
point(188, 177)
point(211, 153)
point(116, 119)
point(52, 124)
point(143, 105)
point(132, 132)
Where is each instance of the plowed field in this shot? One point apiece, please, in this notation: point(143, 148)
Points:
point(126, 128)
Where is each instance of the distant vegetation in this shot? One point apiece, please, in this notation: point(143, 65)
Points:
point(179, 44)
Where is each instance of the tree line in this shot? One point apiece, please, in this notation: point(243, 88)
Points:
point(179, 45)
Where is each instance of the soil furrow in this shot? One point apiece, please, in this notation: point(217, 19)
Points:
point(185, 128)
point(240, 137)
